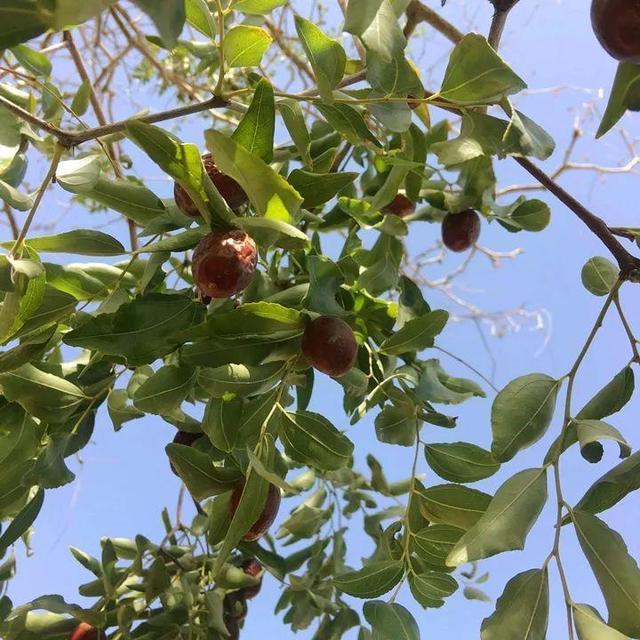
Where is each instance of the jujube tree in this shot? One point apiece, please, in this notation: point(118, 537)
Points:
point(228, 303)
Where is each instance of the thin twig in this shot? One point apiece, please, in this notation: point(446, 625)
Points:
point(57, 154)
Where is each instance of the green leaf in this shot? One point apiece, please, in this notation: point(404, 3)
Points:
point(505, 524)
point(477, 75)
point(78, 175)
point(245, 46)
point(269, 192)
point(128, 198)
point(461, 461)
point(81, 100)
point(521, 414)
point(434, 543)
point(165, 390)
point(21, 523)
point(430, 588)
point(616, 571)
point(348, 121)
point(318, 188)
point(382, 265)
point(625, 95)
point(54, 307)
point(482, 134)
point(32, 60)
point(473, 593)
point(25, 352)
point(372, 581)
point(250, 506)
point(120, 411)
point(591, 626)
point(68, 13)
point(612, 487)
point(199, 16)
point(435, 385)
point(15, 198)
point(591, 432)
point(85, 242)
point(326, 55)
point(256, 7)
point(599, 276)
point(532, 215)
point(522, 611)
point(183, 163)
point(294, 120)
point(20, 20)
point(390, 621)
point(43, 395)
point(453, 504)
point(257, 127)
point(139, 331)
point(397, 425)
point(201, 477)
point(169, 17)
point(222, 421)
point(241, 380)
point(325, 280)
point(50, 470)
point(417, 334)
point(269, 232)
point(311, 439)
point(270, 475)
point(376, 24)
point(20, 305)
point(611, 398)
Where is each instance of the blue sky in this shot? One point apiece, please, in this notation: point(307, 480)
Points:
point(124, 480)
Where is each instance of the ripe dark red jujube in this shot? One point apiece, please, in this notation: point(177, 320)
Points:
point(229, 189)
point(460, 231)
point(269, 513)
point(616, 24)
point(330, 346)
point(400, 206)
point(252, 568)
point(85, 631)
point(224, 263)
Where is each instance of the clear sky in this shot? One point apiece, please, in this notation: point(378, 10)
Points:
point(124, 480)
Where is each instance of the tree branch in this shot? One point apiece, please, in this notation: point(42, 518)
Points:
point(628, 263)
point(110, 149)
point(502, 7)
point(418, 12)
